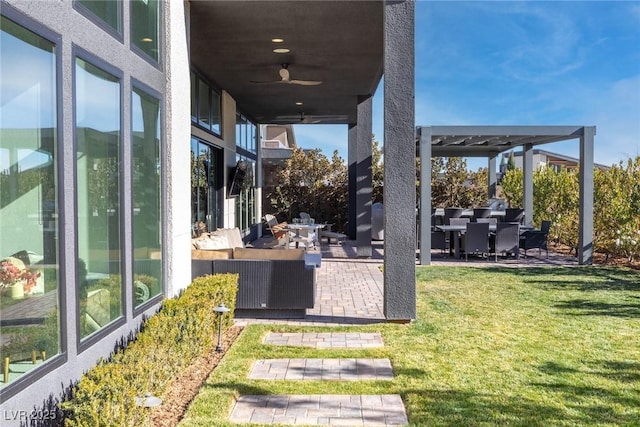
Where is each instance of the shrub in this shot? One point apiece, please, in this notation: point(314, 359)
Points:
point(168, 342)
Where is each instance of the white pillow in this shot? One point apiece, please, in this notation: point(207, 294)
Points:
point(212, 243)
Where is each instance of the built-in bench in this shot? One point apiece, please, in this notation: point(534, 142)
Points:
point(272, 283)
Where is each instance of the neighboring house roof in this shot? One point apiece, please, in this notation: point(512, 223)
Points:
point(557, 159)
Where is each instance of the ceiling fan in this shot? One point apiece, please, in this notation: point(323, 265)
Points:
point(302, 118)
point(286, 78)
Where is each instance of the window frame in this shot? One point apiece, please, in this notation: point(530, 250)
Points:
point(161, 44)
point(195, 120)
point(62, 357)
point(85, 343)
point(137, 84)
point(91, 16)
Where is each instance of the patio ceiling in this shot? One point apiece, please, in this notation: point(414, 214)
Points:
point(489, 141)
point(337, 42)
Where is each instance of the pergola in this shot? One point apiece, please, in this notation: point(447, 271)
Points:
point(489, 141)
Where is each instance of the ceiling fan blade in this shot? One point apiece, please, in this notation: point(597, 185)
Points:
point(305, 82)
point(256, 82)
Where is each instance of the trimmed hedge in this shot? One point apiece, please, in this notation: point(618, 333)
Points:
point(184, 328)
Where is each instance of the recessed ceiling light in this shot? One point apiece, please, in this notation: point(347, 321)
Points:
point(277, 40)
point(281, 50)
point(298, 103)
point(147, 40)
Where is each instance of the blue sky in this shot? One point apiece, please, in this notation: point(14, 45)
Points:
point(522, 63)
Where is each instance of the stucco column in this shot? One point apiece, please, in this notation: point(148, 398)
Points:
point(363, 177)
point(585, 232)
point(352, 171)
point(492, 178)
point(399, 162)
point(425, 195)
point(177, 161)
point(527, 176)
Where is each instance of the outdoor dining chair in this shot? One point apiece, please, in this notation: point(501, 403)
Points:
point(507, 239)
point(532, 239)
point(451, 213)
point(481, 213)
point(438, 238)
point(476, 239)
point(514, 215)
point(493, 221)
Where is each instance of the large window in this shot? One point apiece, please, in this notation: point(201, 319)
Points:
point(98, 133)
point(205, 191)
point(144, 27)
point(206, 103)
point(29, 282)
point(147, 213)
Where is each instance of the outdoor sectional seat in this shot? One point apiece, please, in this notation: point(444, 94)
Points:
point(272, 283)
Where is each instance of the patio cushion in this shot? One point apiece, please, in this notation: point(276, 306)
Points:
point(212, 254)
point(270, 254)
point(233, 236)
point(213, 242)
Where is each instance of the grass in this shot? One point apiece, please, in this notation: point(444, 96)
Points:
point(496, 346)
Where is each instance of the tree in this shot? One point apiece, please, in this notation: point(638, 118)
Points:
point(377, 171)
point(452, 185)
point(309, 182)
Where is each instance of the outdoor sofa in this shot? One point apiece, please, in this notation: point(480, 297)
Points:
point(272, 283)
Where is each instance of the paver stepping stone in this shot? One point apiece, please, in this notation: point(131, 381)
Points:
point(322, 369)
point(316, 409)
point(325, 339)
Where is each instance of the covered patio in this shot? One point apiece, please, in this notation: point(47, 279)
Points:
point(489, 142)
point(299, 62)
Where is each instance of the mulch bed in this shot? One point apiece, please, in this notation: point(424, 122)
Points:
point(184, 388)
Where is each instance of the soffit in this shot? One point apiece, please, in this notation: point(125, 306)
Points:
point(337, 42)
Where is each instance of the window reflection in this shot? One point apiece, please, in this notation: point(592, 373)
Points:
point(206, 105)
point(107, 10)
point(98, 196)
point(204, 188)
point(29, 286)
point(144, 27)
point(147, 229)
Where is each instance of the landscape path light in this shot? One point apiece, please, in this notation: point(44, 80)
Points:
point(221, 310)
point(148, 401)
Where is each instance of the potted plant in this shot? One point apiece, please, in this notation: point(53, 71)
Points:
point(17, 276)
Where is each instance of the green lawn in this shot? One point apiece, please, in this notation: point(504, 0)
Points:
point(495, 346)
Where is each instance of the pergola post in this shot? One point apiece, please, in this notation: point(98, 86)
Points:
point(585, 232)
point(424, 134)
point(399, 158)
point(527, 176)
point(492, 177)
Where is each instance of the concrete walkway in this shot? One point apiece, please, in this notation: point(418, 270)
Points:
point(326, 409)
point(322, 369)
point(325, 339)
point(320, 409)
